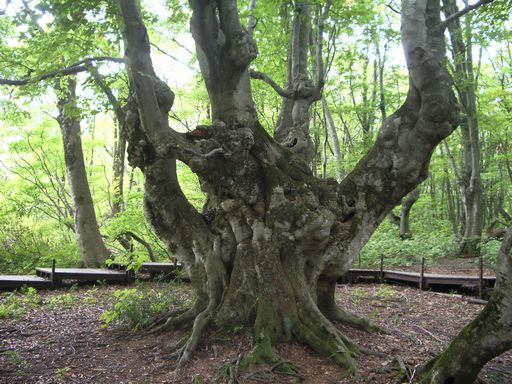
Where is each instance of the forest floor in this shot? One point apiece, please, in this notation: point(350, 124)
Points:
point(57, 337)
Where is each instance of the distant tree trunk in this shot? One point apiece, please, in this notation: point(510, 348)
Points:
point(325, 157)
point(402, 221)
point(487, 336)
point(407, 203)
point(365, 111)
point(499, 209)
point(118, 167)
point(451, 203)
point(331, 128)
point(381, 61)
point(93, 252)
point(458, 217)
point(293, 128)
point(471, 182)
point(119, 142)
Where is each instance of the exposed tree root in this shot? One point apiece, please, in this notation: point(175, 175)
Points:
point(285, 368)
point(231, 371)
point(288, 369)
point(177, 319)
point(164, 318)
point(318, 332)
point(354, 321)
point(200, 324)
point(331, 344)
point(327, 305)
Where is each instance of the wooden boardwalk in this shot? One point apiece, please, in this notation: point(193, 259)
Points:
point(8, 282)
point(51, 277)
point(151, 267)
point(430, 280)
point(82, 274)
point(160, 268)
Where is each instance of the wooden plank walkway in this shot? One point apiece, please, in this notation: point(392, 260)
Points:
point(116, 274)
point(8, 282)
point(154, 269)
point(82, 274)
point(159, 268)
point(45, 279)
point(435, 279)
point(429, 279)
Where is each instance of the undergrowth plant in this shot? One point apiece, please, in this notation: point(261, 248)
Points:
point(17, 303)
point(65, 299)
point(434, 243)
point(16, 360)
point(136, 308)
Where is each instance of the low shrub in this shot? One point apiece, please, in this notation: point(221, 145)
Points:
point(136, 308)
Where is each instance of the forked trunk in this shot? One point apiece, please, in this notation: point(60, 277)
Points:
point(272, 239)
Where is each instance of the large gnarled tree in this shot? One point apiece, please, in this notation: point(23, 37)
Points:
point(273, 239)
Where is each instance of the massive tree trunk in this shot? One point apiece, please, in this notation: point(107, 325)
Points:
point(470, 180)
point(93, 252)
point(487, 336)
point(272, 238)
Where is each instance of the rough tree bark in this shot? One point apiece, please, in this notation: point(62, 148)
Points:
point(93, 252)
point(487, 336)
point(273, 239)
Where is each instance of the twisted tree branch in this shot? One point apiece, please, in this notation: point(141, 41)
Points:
point(288, 93)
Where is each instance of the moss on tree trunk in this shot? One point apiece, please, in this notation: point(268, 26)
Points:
point(272, 239)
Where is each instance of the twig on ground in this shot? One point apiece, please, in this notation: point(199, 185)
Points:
point(477, 301)
point(403, 367)
point(428, 333)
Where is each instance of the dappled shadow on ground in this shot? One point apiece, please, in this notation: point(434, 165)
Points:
point(61, 340)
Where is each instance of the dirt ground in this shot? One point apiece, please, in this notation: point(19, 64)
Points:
point(62, 340)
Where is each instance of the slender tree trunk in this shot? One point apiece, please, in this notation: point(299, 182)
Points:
point(451, 203)
point(296, 135)
point(331, 128)
point(381, 60)
point(325, 157)
point(118, 167)
point(457, 181)
point(93, 252)
point(316, 141)
point(293, 129)
point(119, 143)
point(471, 182)
point(407, 203)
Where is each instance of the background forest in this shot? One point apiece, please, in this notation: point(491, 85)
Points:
point(466, 199)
